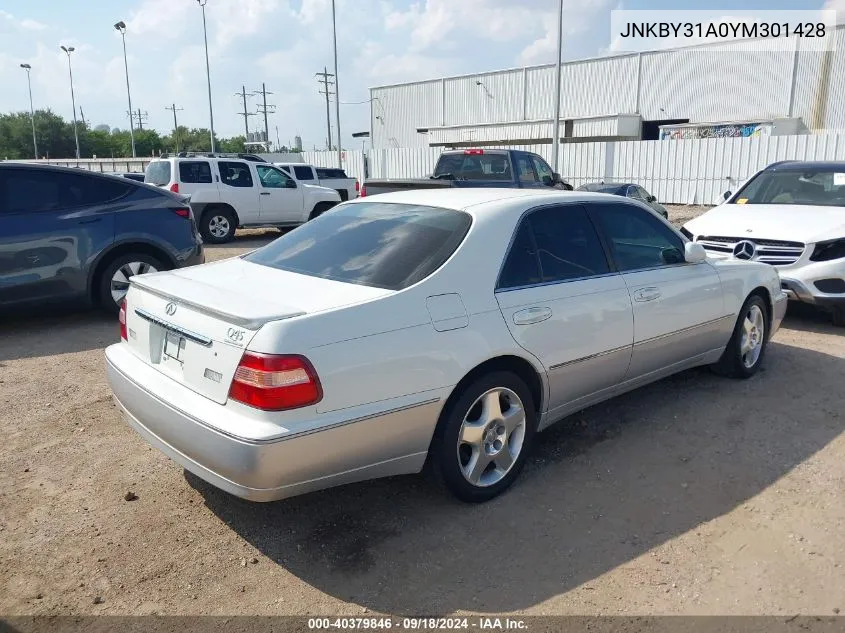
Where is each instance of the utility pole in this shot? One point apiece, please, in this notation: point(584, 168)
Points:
point(246, 114)
point(264, 109)
point(82, 116)
point(174, 109)
point(141, 116)
point(327, 91)
point(556, 133)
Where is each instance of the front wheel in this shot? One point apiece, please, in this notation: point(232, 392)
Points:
point(483, 438)
point(744, 353)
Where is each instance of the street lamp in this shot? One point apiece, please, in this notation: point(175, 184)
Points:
point(121, 28)
point(207, 72)
point(337, 91)
point(27, 68)
point(556, 134)
point(69, 50)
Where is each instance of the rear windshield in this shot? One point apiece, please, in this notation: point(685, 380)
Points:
point(378, 244)
point(600, 187)
point(330, 173)
point(495, 167)
point(158, 173)
point(824, 187)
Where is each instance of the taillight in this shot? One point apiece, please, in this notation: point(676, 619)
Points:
point(275, 383)
point(121, 317)
point(364, 191)
point(357, 186)
point(474, 152)
point(182, 212)
point(174, 187)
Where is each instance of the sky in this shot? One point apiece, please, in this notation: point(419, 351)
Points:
point(283, 43)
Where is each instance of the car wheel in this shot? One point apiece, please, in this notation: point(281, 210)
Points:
point(114, 282)
point(744, 353)
point(483, 437)
point(218, 226)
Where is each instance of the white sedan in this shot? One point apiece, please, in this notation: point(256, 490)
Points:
point(447, 325)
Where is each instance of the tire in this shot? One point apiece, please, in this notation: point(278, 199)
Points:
point(478, 452)
point(320, 208)
point(218, 225)
point(753, 322)
point(114, 280)
point(838, 316)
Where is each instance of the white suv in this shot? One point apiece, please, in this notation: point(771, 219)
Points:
point(231, 193)
point(790, 215)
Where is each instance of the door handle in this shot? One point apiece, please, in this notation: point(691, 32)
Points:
point(647, 294)
point(531, 315)
point(265, 193)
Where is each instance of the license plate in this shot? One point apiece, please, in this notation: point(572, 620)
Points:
point(174, 346)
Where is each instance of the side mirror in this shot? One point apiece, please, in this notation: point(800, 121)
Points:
point(727, 194)
point(290, 184)
point(694, 253)
point(652, 198)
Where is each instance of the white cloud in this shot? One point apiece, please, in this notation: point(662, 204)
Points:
point(26, 24)
point(839, 7)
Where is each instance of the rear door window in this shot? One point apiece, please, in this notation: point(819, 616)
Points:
point(378, 244)
point(303, 172)
point(235, 174)
point(36, 190)
point(474, 166)
point(198, 171)
point(158, 173)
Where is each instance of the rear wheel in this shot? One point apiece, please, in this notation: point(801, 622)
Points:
point(483, 438)
point(744, 353)
point(218, 225)
point(114, 280)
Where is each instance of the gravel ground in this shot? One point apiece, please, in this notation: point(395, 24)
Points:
point(695, 495)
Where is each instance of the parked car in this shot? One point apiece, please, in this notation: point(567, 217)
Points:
point(629, 190)
point(445, 325)
point(227, 194)
point(790, 215)
point(68, 234)
point(499, 168)
point(131, 175)
point(332, 178)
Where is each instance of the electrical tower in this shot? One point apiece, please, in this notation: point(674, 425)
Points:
point(324, 79)
point(265, 108)
point(245, 114)
point(140, 117)
point(174, 109)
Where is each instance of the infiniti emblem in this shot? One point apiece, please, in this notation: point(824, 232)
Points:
point(745, 250)
point(170, 309)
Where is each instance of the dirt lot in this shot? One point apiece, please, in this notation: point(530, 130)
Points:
point(696, 495)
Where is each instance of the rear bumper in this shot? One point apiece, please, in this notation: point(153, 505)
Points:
point(393, 442)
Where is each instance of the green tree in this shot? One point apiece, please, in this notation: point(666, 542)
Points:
point(53, 133)
point(234, 144)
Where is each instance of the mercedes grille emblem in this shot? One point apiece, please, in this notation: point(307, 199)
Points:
point(170, 309)
point(745, 250)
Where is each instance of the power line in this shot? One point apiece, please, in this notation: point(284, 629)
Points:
point(265, 108)
point(327, 92)
point(139, 116)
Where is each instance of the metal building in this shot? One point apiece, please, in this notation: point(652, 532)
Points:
point(756, 85)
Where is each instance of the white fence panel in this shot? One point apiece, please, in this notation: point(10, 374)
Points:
point(352, 161)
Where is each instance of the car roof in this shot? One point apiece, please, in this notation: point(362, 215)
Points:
point(471, 199)
point(808, 165)
point(57, 168)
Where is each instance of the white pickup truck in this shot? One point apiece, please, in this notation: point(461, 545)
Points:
point(229, 193)
point(330, 177)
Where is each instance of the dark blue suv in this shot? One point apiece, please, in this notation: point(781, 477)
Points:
point(69, 235)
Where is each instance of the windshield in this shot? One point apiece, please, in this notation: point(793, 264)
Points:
point(817, 187)
point(378, 244)
point(158, 173)
point(495, 167)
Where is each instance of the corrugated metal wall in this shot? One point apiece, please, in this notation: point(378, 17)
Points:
point(693, 171)
point(734, 81)
point(353, 162)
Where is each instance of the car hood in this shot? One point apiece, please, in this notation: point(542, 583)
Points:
point(320, 189)
point(786, 222)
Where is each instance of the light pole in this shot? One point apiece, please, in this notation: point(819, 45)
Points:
point(121, 28)
point(207, 72)
point(69, 50)
point(27, 68)
point(337, 90)
point(556, 139)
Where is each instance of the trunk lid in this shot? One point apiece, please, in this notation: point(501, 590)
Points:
point(194, 324)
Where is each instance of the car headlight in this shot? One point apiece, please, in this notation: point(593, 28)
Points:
point(828, 250)
point(687, 234)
